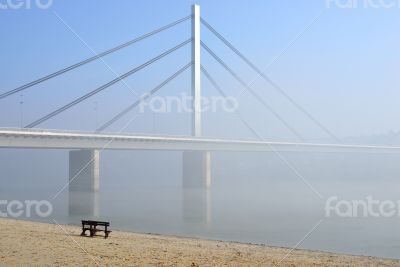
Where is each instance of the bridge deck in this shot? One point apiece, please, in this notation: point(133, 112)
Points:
point(55, 139)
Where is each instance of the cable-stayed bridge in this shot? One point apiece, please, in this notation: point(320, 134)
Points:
point(85, 146)
point(57, 139)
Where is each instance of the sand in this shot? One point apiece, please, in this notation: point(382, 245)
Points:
point(25, 243)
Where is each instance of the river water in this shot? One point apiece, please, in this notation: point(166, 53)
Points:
point(279, 209)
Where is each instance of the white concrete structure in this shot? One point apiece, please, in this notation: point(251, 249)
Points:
point(196, 169)
point(55, 139)
point(196, 85)
point(84, 171)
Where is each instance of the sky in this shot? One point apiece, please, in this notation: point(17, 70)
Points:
point(339, 64)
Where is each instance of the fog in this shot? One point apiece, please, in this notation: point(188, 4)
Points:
point(254, 197)
point(338, 67)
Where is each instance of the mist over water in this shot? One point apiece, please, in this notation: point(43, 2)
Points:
point(254, 197)
point(339, 65)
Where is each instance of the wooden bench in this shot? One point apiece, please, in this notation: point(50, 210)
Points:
point(91, 226)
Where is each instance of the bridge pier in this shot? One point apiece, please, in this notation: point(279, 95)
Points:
point(84, 171)
point(196, 169)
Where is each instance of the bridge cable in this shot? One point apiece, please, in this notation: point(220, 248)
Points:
point(101, 88)
point(251, 91)
point(86, 61)
point(259, 137)
point(145, 97)
point(218, 88)
point(267, 79)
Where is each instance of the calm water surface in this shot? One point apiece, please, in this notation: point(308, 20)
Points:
point(274, 216)
point(276, 208)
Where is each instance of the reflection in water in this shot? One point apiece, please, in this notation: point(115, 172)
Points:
point(83, 204)
point(248, 202)
point(272, 214)
point(196, 206)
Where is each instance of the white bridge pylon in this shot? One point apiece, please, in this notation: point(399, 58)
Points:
point(196, 165)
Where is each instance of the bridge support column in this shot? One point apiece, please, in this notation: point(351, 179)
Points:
point(196, 71)
point(84, 171)
point(196, 169)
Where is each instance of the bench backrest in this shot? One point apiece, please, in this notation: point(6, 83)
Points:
point(95, 223)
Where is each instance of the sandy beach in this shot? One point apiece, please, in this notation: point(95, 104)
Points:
point(25, 243)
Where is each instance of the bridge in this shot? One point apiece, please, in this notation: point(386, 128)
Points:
point(85, 146)
point(56, 139)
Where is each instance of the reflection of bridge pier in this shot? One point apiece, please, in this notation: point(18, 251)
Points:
point(84, 184)
point(196, 169)
point(83, 204)
point(84, 181)
point(196, 205)
point(84, 170)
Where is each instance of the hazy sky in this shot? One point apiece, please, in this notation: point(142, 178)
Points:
point(340, 64)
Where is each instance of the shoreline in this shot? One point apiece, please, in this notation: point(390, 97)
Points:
point(38, 243)
point(194, 238)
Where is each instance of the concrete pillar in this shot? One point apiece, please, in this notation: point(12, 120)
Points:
point(84, 171)
point(196, 86)
point(196, 169)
